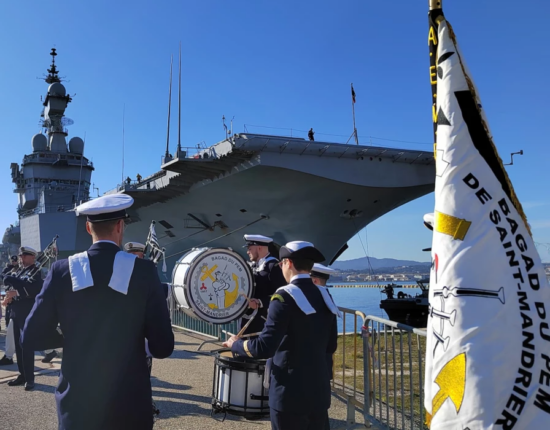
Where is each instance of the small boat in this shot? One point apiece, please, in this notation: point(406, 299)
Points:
point(406, 309)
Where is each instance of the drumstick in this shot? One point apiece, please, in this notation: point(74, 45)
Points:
point(239, 334)
point(246, 297)
point(251, 334)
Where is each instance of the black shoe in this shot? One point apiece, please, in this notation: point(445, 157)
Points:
point(49, 356)
point(17, 381)
point(29, 386)
point(5, 361)
point(156, 411)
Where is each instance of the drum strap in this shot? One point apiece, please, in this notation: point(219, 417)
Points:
point(81, 275)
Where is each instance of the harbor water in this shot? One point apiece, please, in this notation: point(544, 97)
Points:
point(364, 299)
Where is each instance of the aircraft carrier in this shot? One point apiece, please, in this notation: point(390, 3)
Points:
point(287, 188)
point(281, 187)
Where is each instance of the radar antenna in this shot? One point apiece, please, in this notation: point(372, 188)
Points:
point(53, 73)
point(48, 123)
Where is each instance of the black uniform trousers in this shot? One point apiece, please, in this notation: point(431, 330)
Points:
point(25, 359)
point(288, 421)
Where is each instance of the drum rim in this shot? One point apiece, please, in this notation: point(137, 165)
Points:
point(239, 361)
point(191, 300)
point(256, 411)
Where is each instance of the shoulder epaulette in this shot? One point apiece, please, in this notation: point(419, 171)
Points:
point(278, 297)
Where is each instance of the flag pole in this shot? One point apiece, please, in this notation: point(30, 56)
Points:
point(167, 153)
point(434, 16)
point(353, 111)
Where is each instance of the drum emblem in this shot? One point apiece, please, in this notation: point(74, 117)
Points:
point(225, 294)
point(210, 284)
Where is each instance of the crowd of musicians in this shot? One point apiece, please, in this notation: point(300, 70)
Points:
point(110, 298)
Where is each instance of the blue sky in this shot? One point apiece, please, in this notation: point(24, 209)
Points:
point(283, 64)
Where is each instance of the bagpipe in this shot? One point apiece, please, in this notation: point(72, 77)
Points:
point(28, 273)
point(153, 247)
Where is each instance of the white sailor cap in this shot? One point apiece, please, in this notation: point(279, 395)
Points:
point(134, 247)
point(302, 250)
point(320, 271)
point(106, 208)
point(27, 250)
point(256, 239)
point(429, 220)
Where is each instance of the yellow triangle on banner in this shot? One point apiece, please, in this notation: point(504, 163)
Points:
point(452, 383)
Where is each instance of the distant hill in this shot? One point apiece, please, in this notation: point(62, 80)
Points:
point(376, 263)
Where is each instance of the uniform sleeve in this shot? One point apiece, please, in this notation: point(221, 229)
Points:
point(275, 280)
point(276, 326)
point(43, 319)
point(158, 327)
point(26, 290)
point(333, 339)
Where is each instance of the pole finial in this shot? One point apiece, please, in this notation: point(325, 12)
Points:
point(436, 4)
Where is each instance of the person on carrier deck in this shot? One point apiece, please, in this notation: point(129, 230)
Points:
point(107, 303)
point(267, 276)
point(299, 333)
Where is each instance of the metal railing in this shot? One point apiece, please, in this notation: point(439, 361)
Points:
point(185, 322)
point(201, 152)
point(387, 358)
point(394, 374)
point(347, 363)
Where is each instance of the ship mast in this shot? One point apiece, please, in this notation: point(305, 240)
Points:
point(179, 109)
point(52, 71)
point(167, 154)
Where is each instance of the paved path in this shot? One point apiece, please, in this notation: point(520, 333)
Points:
point(182, 386)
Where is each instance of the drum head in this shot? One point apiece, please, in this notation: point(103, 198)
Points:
point(214, 283)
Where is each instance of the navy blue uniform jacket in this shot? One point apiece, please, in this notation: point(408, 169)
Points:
point(299, 345)
point(104, 382)
point(22, 305)
point(267, 281)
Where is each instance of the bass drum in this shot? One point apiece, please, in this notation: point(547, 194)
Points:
point(209, 283)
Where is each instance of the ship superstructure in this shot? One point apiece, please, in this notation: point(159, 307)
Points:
point(54, 177)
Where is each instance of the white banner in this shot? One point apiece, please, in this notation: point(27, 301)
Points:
point(488, 345)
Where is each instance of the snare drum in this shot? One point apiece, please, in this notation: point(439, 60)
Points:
point(238, 386)
point(208, 284)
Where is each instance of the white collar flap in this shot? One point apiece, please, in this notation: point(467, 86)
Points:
point(81, 275)
point(299, 297)
point(79, 268)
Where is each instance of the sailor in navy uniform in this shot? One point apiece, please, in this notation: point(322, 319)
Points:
point(21, 297)
point(7, 359)
point(320, 275)
point(267, 276)
point(107, 303)
point(138, 249)
point(299, 333)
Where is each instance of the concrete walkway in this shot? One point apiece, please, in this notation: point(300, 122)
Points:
point(182, 388)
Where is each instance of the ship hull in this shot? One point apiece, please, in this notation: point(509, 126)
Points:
point(280, 203)
point(413, 312)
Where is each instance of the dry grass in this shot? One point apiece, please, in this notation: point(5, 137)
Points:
point(396, 372)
